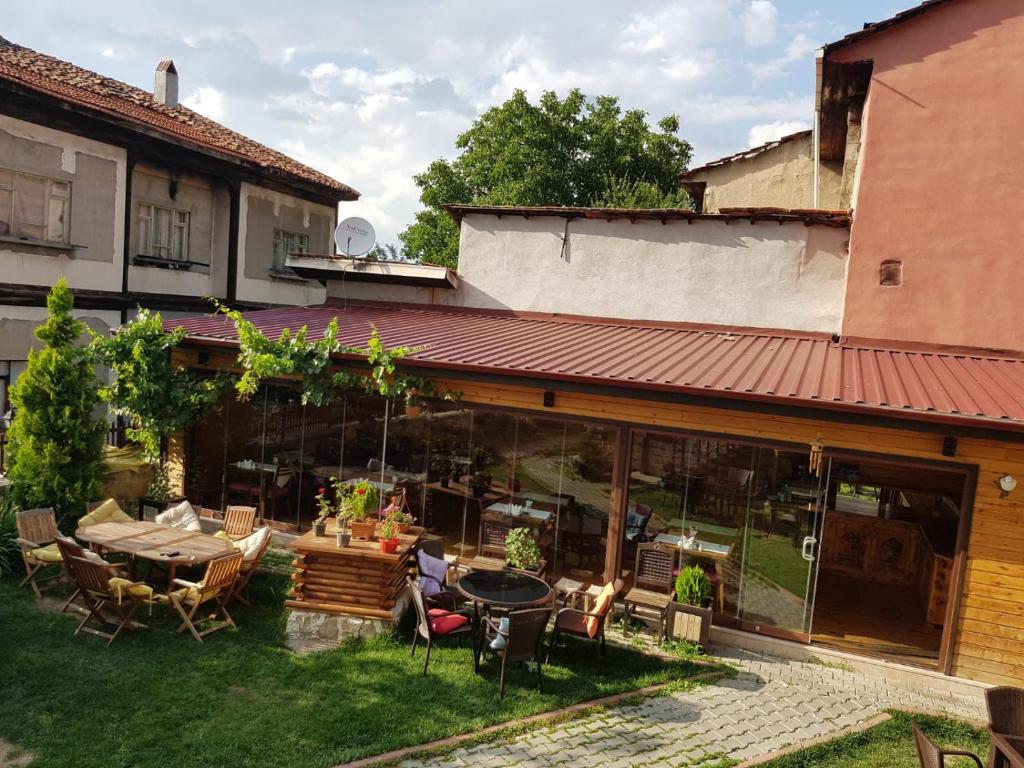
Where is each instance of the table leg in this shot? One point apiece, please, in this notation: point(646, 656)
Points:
point(171, 574)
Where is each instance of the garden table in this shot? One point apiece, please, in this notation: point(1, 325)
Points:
point(504, 589)
point(155, 542)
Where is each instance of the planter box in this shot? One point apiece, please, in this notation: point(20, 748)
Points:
point(363, 530)
point(687, 622)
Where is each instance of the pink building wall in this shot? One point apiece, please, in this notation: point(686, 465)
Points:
point(941, 179)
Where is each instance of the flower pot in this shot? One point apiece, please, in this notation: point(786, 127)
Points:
point(388, 546)
point(688, 622)
point(412, 411)
point(343, 538)
point(319, 527)
point(404, 527)
point(363, 529)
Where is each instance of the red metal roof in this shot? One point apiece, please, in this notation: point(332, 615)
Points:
point(63, 80)
point(780, 367)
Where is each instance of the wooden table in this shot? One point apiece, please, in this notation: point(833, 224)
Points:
point(155, 542)
point(358, 580)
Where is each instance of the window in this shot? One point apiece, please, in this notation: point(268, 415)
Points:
point(163, 232)
point(287, 242)
point(34, 207)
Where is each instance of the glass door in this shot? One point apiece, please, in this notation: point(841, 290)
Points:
point(781, 545)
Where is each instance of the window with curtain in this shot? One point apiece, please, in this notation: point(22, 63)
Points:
point(34, 207)
point(163, 232)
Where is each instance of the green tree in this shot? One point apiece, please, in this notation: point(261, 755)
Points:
point(158, 396)
point(56, 440)
point(574, 151)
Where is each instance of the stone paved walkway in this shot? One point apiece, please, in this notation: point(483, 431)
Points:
point(771, 704)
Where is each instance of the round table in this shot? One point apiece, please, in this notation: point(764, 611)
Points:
point(159, 543)
point(504, 589)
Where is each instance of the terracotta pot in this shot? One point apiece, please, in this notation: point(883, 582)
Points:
point(388, 546)
point(412, 411)
point(363, 529)
point(404, 527)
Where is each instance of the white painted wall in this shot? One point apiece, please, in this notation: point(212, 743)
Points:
point(763, 274)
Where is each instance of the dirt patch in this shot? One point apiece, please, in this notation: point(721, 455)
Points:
point(12, 757)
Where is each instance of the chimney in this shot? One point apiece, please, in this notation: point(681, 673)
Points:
point(165, 86)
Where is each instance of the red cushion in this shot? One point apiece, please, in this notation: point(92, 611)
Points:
point(448, 622)
point(435, 613)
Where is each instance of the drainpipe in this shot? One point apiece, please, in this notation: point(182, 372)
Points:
point(819, 64)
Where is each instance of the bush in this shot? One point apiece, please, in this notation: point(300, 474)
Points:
point(522, 550)
point(693, 587)
point(10, 551)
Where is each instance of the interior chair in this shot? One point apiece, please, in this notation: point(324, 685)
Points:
point(637, 519)
point(589, 625)
point(520, 642)
point(931, 755)
point(653, 584)
point(433, 624)
point(1005, 716)
point(37, 537)
point(280, 488)
point(239, 521)
point(215, 587)
point(110, 599)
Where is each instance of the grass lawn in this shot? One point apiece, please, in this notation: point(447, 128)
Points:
point(775, 558)
point(243, 699)
point(888, 745)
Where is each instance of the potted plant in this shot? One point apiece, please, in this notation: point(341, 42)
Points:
point(413, 406)
point(388, 539)
point(403, 520)
point(690, 617)
point(521, 550)
point(323, 511)
point(479, 483)
point(359, 504)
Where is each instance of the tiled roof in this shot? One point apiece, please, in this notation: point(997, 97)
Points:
point(871, 28)
point(778, 367)
point(805, 215)
point(745, 154)
point(62, 80)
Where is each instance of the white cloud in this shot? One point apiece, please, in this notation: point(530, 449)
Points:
point(759, 22)
point(765, 132)
point(206, 101)
point(110, 52)
point(800, 48)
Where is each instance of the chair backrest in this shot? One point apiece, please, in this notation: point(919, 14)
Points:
point(1006, 710)
point(433, 547)
point(655, 566)
point(525, 633)
point(396, 499)
point(928, 752)
point(89, 575)
point(222, 571)
point(422, 623)
point(239, 520)
point(617, 586)
point(69, 548)
point(283, 475)
point(641, 516)
point(37, 525)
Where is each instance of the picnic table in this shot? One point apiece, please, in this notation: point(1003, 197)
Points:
point(155, 542)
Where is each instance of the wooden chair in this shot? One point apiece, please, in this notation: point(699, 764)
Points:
point(438, 624)
point(653, 583)
point(37, 537)
point(1005, 716)
point(216, 586)
point(931, 755)
point(523, 640)
point(239, 521)
point(573, 621)
point(246, 571)
point(103, 589)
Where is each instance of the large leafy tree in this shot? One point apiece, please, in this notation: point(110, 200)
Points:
point(574, 151)
point(56, 439)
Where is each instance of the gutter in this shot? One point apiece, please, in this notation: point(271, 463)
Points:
point(819, 66)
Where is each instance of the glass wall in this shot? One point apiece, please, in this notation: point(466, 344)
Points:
point(468, 475)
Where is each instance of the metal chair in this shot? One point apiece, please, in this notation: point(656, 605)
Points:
point(37, 537)
point(1005, 715)
point(523, 641)
point(931, 755)
point(435, 624)
point(653, 583)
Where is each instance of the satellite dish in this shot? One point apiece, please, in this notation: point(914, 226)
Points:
point(354, 237)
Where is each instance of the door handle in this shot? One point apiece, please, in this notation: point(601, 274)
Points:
point(808, 548)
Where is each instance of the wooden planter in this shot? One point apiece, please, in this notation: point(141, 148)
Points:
point(362, 529)
point(688, 622)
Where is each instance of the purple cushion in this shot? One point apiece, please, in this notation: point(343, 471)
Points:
point(433, 572)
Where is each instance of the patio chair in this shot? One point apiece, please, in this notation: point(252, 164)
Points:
point(108, 511)
point(252, 547)
point(1005, 715)
point(239, 521)
point(522, 641)
point(589, 625)
point(931, 755)
point(653, 583)
point(636, 522)
point(103, 590)
point(216, 585)
point(433, 624)
point(37, 537)
point(432, 572)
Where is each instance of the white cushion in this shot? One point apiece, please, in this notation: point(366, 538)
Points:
point(250, 545)
point(180, 516)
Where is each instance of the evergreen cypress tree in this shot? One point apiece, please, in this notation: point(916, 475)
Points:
point(56, 440)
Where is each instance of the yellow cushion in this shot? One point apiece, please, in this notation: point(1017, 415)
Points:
point(600, 606)
point(121, 587)
point(193, 594)
point(107, 512)
point(48, 554)
point(222, 535)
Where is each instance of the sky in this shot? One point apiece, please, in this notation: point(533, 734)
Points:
point(372, 92)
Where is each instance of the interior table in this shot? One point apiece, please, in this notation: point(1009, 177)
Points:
point(504, 589)
point(157, 543)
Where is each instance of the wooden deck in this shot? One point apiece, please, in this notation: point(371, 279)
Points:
point(358, 580)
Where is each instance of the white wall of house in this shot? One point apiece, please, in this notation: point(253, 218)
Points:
point(261, 212)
